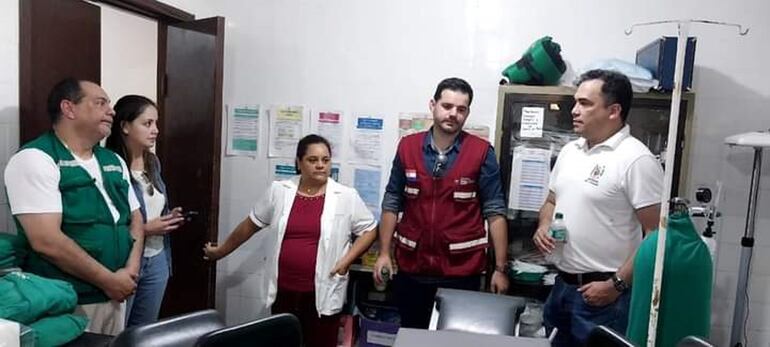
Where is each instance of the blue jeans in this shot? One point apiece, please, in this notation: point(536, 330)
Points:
point(144, 306)
point(566, 310)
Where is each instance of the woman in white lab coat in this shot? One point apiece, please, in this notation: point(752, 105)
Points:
point(314, 219)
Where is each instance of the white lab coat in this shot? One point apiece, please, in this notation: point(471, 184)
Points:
point(344, 214)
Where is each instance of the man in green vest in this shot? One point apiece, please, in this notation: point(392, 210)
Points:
point(73, 203)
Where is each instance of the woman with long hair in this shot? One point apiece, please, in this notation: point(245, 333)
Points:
point(134, 132)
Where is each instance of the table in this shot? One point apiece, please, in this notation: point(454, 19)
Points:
point(408, 337)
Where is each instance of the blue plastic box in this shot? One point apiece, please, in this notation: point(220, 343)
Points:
point(659, 57)
point(374, 333)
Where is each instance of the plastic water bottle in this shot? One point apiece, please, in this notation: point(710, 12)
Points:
point(385, 274)
point(559, 233)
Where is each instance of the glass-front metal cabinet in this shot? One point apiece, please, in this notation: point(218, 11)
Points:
point(533, 123)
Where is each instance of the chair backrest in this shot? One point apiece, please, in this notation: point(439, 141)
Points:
point(178, 331)
point(602, 336)
point(694, 341)
point(277, 330)
point(477, 312)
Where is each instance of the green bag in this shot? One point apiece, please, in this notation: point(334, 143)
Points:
point(58, 330)
point(540, 65)
point(25, 297)
point(685, 304)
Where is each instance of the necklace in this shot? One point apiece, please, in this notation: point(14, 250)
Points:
point(311, 191)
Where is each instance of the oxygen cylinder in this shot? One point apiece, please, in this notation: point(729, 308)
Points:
point(685, 302)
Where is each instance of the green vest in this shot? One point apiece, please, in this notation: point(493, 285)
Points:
point(86, 219)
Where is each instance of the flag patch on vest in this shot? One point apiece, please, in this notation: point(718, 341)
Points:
point(465, 180)
point(112, 168)
point(411, 175)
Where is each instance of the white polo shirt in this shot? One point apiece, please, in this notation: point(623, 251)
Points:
point(599, 190)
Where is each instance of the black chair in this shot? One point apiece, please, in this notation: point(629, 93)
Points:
point(277, 330)
point(602, 336)
point(177, 331)
point(477, 312)
point(694, 341)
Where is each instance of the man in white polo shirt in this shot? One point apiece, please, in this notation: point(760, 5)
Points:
point(607, 185)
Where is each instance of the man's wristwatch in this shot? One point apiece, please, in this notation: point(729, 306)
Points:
point(502, 269)
point(619, 284)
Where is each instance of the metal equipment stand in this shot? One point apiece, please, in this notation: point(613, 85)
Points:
point(757, 140)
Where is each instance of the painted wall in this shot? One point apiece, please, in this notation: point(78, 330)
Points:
point(366, 56)
point(129, 54)
point(9, 98)
point(387, 57)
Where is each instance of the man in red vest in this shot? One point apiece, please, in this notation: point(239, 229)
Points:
point(446, 182)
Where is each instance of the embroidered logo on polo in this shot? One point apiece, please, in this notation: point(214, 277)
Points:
point(596, 174)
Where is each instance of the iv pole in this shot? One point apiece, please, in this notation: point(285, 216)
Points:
point(683, 27)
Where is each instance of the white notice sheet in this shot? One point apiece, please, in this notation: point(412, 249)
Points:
point(532, 122)
point(366, 180)
point(286, 129)
point(242, 131)
point(479, 130)
point(367, 140)
point(329, 125)
point(413, 122)
point(529, 178)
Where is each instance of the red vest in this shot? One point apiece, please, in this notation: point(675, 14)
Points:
point(441, 232)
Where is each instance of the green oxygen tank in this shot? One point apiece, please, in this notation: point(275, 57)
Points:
point(685, 306)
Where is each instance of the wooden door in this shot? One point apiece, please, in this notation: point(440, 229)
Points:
point(189, 149)
point(58, 39)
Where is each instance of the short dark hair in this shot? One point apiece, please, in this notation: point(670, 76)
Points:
point(454, 84)
point(308, 140)
point(67, 89)
point(616, 88)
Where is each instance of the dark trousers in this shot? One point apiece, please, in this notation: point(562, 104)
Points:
point(414, 295)
point(316, 331)
point(565, 309)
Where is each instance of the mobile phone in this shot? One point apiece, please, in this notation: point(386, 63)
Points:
point(189, 215)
